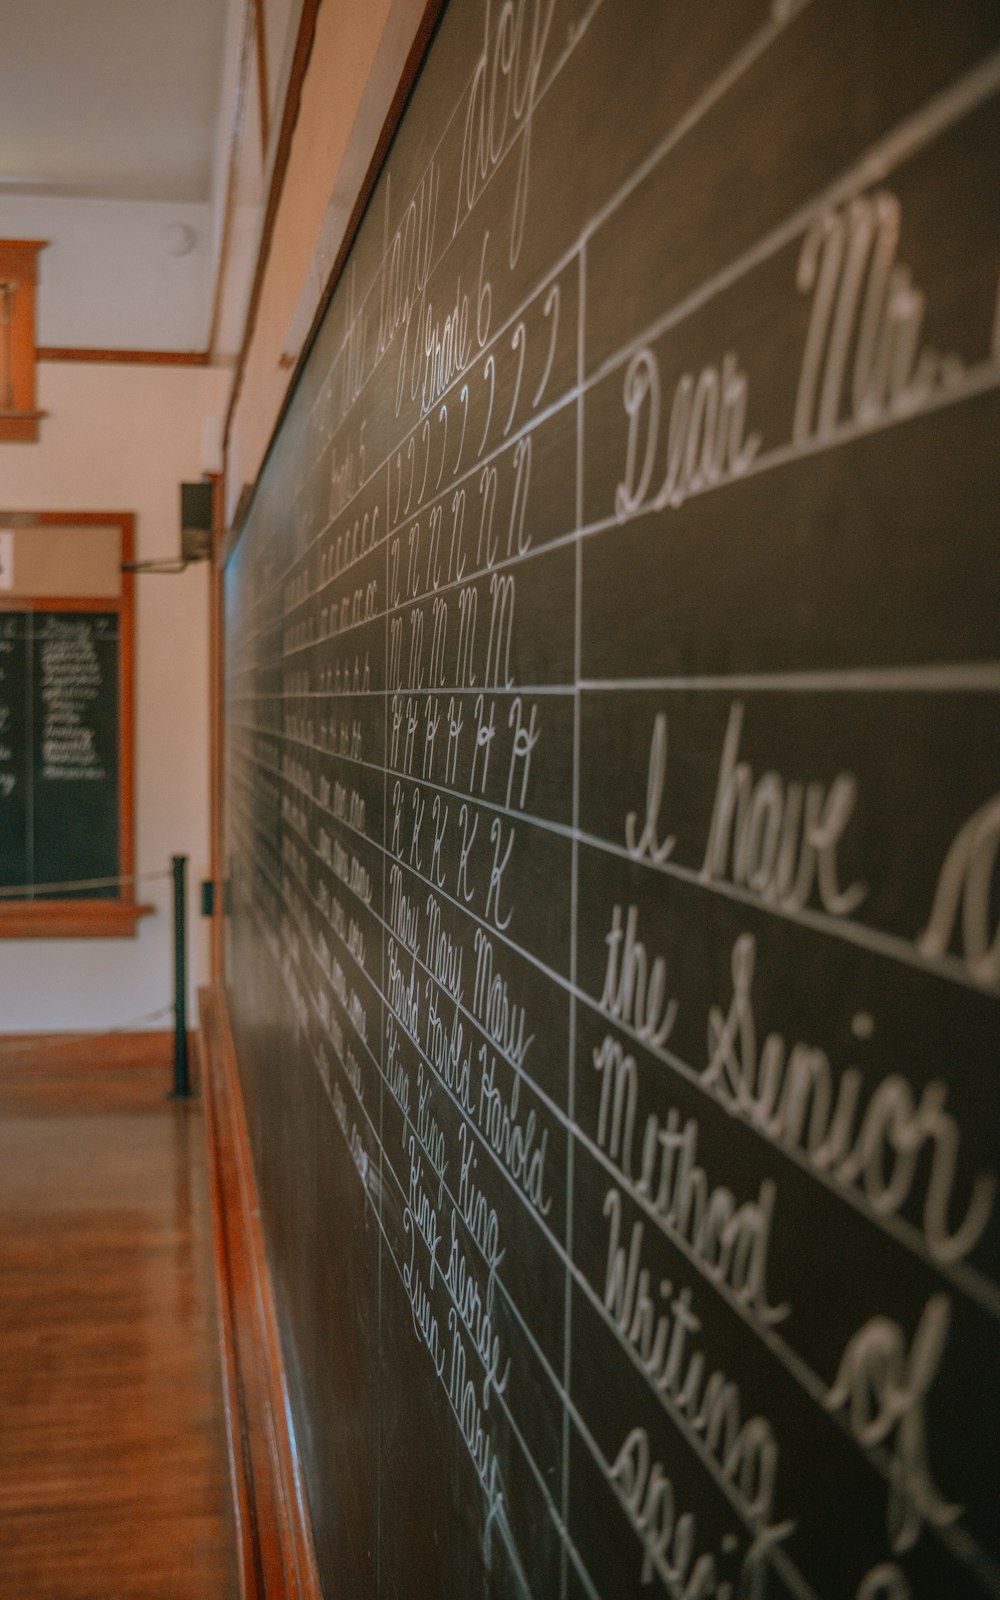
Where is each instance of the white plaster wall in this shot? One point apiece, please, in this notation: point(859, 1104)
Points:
point(121, 438)
point(108, 279)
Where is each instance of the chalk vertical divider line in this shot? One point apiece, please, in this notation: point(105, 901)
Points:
point(573, 933)
point(383, 1017)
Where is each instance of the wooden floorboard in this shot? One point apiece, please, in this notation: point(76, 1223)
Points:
point(113, 1474)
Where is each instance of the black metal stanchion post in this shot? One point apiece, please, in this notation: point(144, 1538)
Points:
point(182, 1086)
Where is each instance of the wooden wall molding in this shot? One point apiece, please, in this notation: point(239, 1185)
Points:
point(144, 358)
point(263, 99)
point(19, 416)
point(293, 96)
point(236, 119)
point(273, 1533)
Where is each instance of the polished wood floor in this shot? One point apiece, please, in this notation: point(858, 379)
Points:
point(113, 1480)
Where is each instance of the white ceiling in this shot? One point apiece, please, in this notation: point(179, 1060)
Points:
point(112, 99)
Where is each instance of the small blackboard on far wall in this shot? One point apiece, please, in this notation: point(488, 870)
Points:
point(66, 639)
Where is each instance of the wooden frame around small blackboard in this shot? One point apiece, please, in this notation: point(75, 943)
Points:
point(72, 917)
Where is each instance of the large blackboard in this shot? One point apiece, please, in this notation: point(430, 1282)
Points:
point(612, 812)
point(59, 752)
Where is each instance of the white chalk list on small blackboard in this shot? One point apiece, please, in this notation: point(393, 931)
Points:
point(66, 726)
point(612, 817)
point(59, 754)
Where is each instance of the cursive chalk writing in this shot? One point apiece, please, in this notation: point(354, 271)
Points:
point(882, 1388)
point(887, 1147)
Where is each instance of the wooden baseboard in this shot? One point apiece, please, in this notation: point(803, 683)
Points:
point(274, 1548)
point(95, 1050)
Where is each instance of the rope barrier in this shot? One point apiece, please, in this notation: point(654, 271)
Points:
point(182, 1084)
point(27, 891)
point(12, 1047)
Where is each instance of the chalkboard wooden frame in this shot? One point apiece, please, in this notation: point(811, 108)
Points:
point(91, 918)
